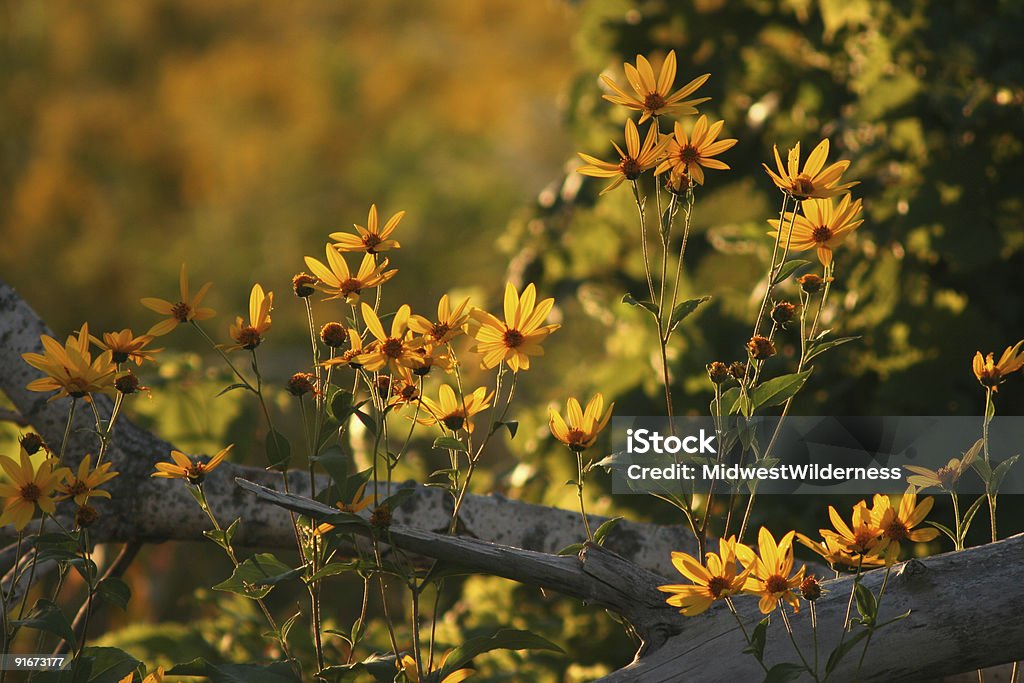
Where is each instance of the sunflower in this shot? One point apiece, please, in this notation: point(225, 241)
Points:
point(812, 181)
point(186, 309)
point(433, 356)
point(394, 351)
point(249, 336)
point(633, 162)
point(451, 322)
point(372, 239)
point(862, 541)
point(337, 280)
point(687, 157)
point(70, 369)
point(85, 483)
point(583, 426)
point(991, 374)
point(652, 96)
point(451, 413)
point(126, 346)
point(521, 333)
point(897, 523)
point(822, 226)
point(715, 581)
point(948, 474)
point(30, 487)
point(189, 469)
point(770, 575)
point(837, 556)
point(404, 389)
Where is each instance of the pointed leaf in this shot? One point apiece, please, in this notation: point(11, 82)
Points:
point(684, 309)
point(815, 349)
point(779, 389)
point(788, 268)
point(647, 305)
point(450, 443)
point(784, 672)
point(506, 639)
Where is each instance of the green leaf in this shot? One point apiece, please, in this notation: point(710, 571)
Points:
point(277, 672)
point(983, 470)
point(651, 308)
point(382, 668)
point(965, 524)
point(667, 216)
point(788, 268)
point(944, 529)
point(778, 390)
point(108, 664)
point(684, 309)
point(506, 639)
point(224, 537)
point(279, 451)
point(866, 604)
point(395, 500)
point(1000, 472)
point(341, 405)
point(784, 672)
point(511, 425)
point(368, 421)
point(257, 576)
point(758, 638)
point(333, 569)
point(815, 349)
point(231, 387)
point(841, 651)
point(115, 591)
point(605, 528)
point(336, 464)
point(47, 617)
point(450, 443)
point(572, 549)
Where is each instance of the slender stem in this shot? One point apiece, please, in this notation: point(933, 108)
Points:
point(849, 604)
point(746, 636)
point(792, 639)
point(643, 239)
point(814, 634)
point(871, 630)
point(989, 494)
point(579, 493)
point(958, 542)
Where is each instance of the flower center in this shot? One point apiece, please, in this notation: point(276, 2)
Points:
point(630, 168)
point(802, 187)
point(946, 475)
point(249, 337)
point(350, 286)
point(688, 154)
point(195, 473)
point(440, 330)
point(653, 102)
point(31, 492)
point(513, 338)
point(897, 530)
point(371, 240)
point(120, 356)
point(717, 585)
point(776, 583)
point(392, 347)
point(77, 488)
point(577, 439)
point(454, 421)
point(821, 234)
point(181, 312)
point(863, 539)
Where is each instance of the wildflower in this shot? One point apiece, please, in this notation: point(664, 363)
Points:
point(86, 516)
point(896, 524)
point(30, 487)
point(811, 283)
point(125, 346)
point(783, 312)
point(632, 163)
point(372, 239)
point(453, 413)
point(404, 389)
point(718, 372)
point(837, 555)
point(810, 588)
point(350, 358)
point(812, 181)
point(432, 357)
point(677, 183)
point(337, 280)
point(521, 333)
point(333, 334)
point(358, 503)
point(450, 322)
point(770, 571)
point(304, 284)
point(189, 469)
point(760, 347)
point(583, 427)
point(85, 483)
point(381, 516)
point(652, 97)
point(861, 543)
point(250, 335)
point(717, 581)
point(991, 374)
point(738, 370)
point(947, 475)
point(301, 383)
point(690, 155)
point(395, 350)
point(186, 309)
point(70, 369)
point(32, 443)
point(822, 226)
point(407, 665)
point(154, 677)
point(127, 383)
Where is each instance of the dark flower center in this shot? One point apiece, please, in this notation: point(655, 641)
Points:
point(371, 240)
point(31, 492)
point(717, 585)
point(392, 348)
point(776, 583)
point(630, 168)
point(897, 530)
point(120, 356)
point(688, 154)
point(248, 337)
point(653, 102)
point(802, 187)
point(77, 488)
point(946, 475)
point(350, 286)
point(863, 539)
point(440, 330)
point(513, 338)
point(577, 439)
point(821, 234)
point(181, 312)
point(454, 421)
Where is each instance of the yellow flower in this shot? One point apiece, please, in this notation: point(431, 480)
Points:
point(70, 369)
point(358, 503)
point(249, 336)
point(583, 427)
point(350, 358)
point(521, 333)
point(947, 475)
point(862, 542)
point(633, 162)
point(337, 280)
point(812, 181)
point(717, 581)
point(126, 346)
point(407, 665)
point(155, 677)
point(896, 523)
point(450, 322)
point(404, 389)
point(689, 156)
point(770, 571)
point(652, 96)
point(394, 351)
point(452, 413)
point(189, 469)
point(992, 374)
point(836, 555)
point(186, 309)
point(372, 239)
point(30, 487)
point(84, 484)
point(433, 356)
point(823, 226)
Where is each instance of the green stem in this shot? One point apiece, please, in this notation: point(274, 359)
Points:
point(746, 636)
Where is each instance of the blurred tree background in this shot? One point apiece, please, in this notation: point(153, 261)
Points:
point(235, 136)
